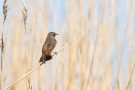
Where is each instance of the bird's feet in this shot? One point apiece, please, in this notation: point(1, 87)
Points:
point(55, 53)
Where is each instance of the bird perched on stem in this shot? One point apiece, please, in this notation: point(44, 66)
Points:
point(48, 46)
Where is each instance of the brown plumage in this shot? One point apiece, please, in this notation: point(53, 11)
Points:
point(48, 46)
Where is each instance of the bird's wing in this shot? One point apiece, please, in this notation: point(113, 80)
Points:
point(49, 45)
point(45, 46)
point(53, 44)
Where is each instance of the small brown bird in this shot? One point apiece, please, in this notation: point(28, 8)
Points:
point(48, 46)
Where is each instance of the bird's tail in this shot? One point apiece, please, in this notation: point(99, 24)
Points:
point(42, 59)
point(45, 58)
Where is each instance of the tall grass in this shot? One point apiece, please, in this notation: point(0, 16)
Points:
point(102, 57)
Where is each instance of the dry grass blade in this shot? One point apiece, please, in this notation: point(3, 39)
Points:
point(28, 64)
point(122, 51)
point(130, 77)
point(91, 65)
point(2, 49)
point(22, 77)
point(24, 12)
point(5, 10)
point(3, 77)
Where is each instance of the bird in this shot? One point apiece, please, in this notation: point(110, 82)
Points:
point(48, 46)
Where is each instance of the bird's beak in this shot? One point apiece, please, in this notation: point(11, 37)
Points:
point(56, 34)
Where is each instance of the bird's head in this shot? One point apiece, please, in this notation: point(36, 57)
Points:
point(53, 34)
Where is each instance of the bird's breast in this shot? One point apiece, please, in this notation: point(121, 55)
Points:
point(48, 53)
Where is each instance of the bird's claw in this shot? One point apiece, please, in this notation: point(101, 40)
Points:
point(55, 53)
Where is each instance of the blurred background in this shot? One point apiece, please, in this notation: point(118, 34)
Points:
point(102, 57)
